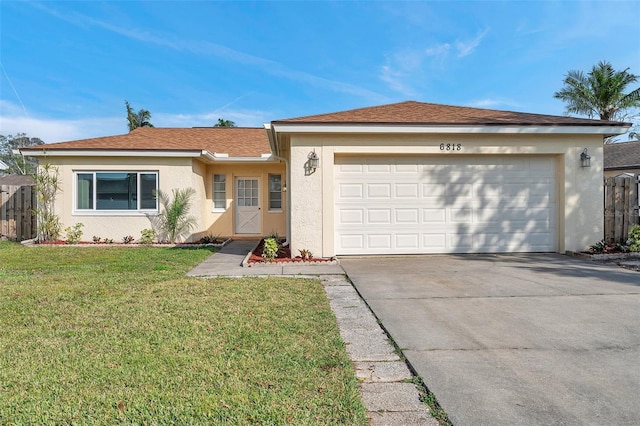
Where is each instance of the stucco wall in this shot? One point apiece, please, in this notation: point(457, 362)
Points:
point(172, 173)
point(223, 223)
point(579, 191)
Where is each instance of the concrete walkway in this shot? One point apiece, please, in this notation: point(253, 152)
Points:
point(228, 263)
point(387, 394)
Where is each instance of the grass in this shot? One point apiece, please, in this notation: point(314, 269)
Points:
point(121, 336)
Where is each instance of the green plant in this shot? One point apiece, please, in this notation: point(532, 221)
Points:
point(633, 240)
point(212, 239)
point(599, 247)
point(270, 250)
point(74, 234)
point(174, 220)
point(274, 235)
point(128, 239)
point(48, 184)
point(96, 239)
point(108, 240)
point(305, 254)
point(147, 236)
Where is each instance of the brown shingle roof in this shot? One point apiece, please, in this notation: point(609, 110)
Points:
point(421, 113)
point(622, 155)
point(16, 180)
point(235, 141)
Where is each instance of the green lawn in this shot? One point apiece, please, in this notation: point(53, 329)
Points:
point(121, 336)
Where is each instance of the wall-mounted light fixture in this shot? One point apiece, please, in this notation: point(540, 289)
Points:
point(585, 159)
point(314, 160)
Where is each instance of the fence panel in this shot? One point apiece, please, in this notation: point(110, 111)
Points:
point(17, 219)
point(620, 207)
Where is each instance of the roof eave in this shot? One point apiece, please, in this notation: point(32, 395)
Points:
point(600, 129)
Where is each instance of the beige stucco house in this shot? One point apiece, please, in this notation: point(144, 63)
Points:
point(402, 178)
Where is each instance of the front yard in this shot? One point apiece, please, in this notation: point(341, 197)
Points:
point(120, 335)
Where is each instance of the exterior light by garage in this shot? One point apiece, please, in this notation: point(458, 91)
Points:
point(314, 160)
point(585, 159)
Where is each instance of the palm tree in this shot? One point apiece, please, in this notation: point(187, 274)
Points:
point(224, 123)
point(174, 221)
point(139, 119)
point(599, 93)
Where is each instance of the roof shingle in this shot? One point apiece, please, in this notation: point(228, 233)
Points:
point(421, 113)
point(622, 155)
point(234, 141)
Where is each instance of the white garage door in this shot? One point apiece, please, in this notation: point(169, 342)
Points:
point(445, 204)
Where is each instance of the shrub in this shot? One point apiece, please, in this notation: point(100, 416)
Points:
point(96, 239)
point(147, 236)
point(47, 186)
point(174, 220)
point(212, 239)
point(634, 238)
point(74, 234)
point(306, 254)
point(598, 247)
point(270, 250)
point(128, 239)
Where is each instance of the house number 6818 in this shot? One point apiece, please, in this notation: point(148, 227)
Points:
point(450, 146)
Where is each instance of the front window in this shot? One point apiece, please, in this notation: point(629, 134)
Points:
point(124, 191)
point(275, 192)
point(219, 192)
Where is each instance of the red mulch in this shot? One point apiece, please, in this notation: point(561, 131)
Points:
point(284, 255)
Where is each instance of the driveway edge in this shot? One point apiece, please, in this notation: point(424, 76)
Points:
point(386, 387)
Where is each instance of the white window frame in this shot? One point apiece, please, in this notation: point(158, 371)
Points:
point(275, 210)
point(213, 193)
point(95, 212)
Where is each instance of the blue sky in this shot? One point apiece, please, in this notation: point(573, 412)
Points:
point(67, 67)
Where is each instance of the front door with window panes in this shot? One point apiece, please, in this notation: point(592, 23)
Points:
point(248, 216)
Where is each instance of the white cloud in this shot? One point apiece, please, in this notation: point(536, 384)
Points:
point(13, 121)
point(438, 50)
point(242, 118)
point(214, 49)
point(465, 48)
point(493, 103)
point(401, 69)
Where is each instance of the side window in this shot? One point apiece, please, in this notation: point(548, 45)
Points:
point(275, 192)
point(219, 192)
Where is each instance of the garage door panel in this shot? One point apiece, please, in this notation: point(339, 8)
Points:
point(379, 190)
point(445, 204)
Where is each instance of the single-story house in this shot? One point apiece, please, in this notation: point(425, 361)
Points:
point(621, 158)
point(403, 178)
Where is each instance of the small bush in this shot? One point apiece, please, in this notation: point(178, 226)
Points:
point(634, 238)
point(74, 233)
point(128, 239)
point(147, 236)
point(306, 254)
point(270, 250)
point(96, 239)
point(212, 239)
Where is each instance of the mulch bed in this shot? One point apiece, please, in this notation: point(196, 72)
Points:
point(283, 256)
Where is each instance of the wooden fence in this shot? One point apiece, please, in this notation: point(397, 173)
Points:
point(17, 219)
point(620, 207)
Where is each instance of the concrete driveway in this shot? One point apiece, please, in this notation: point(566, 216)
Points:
point(513, 339)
